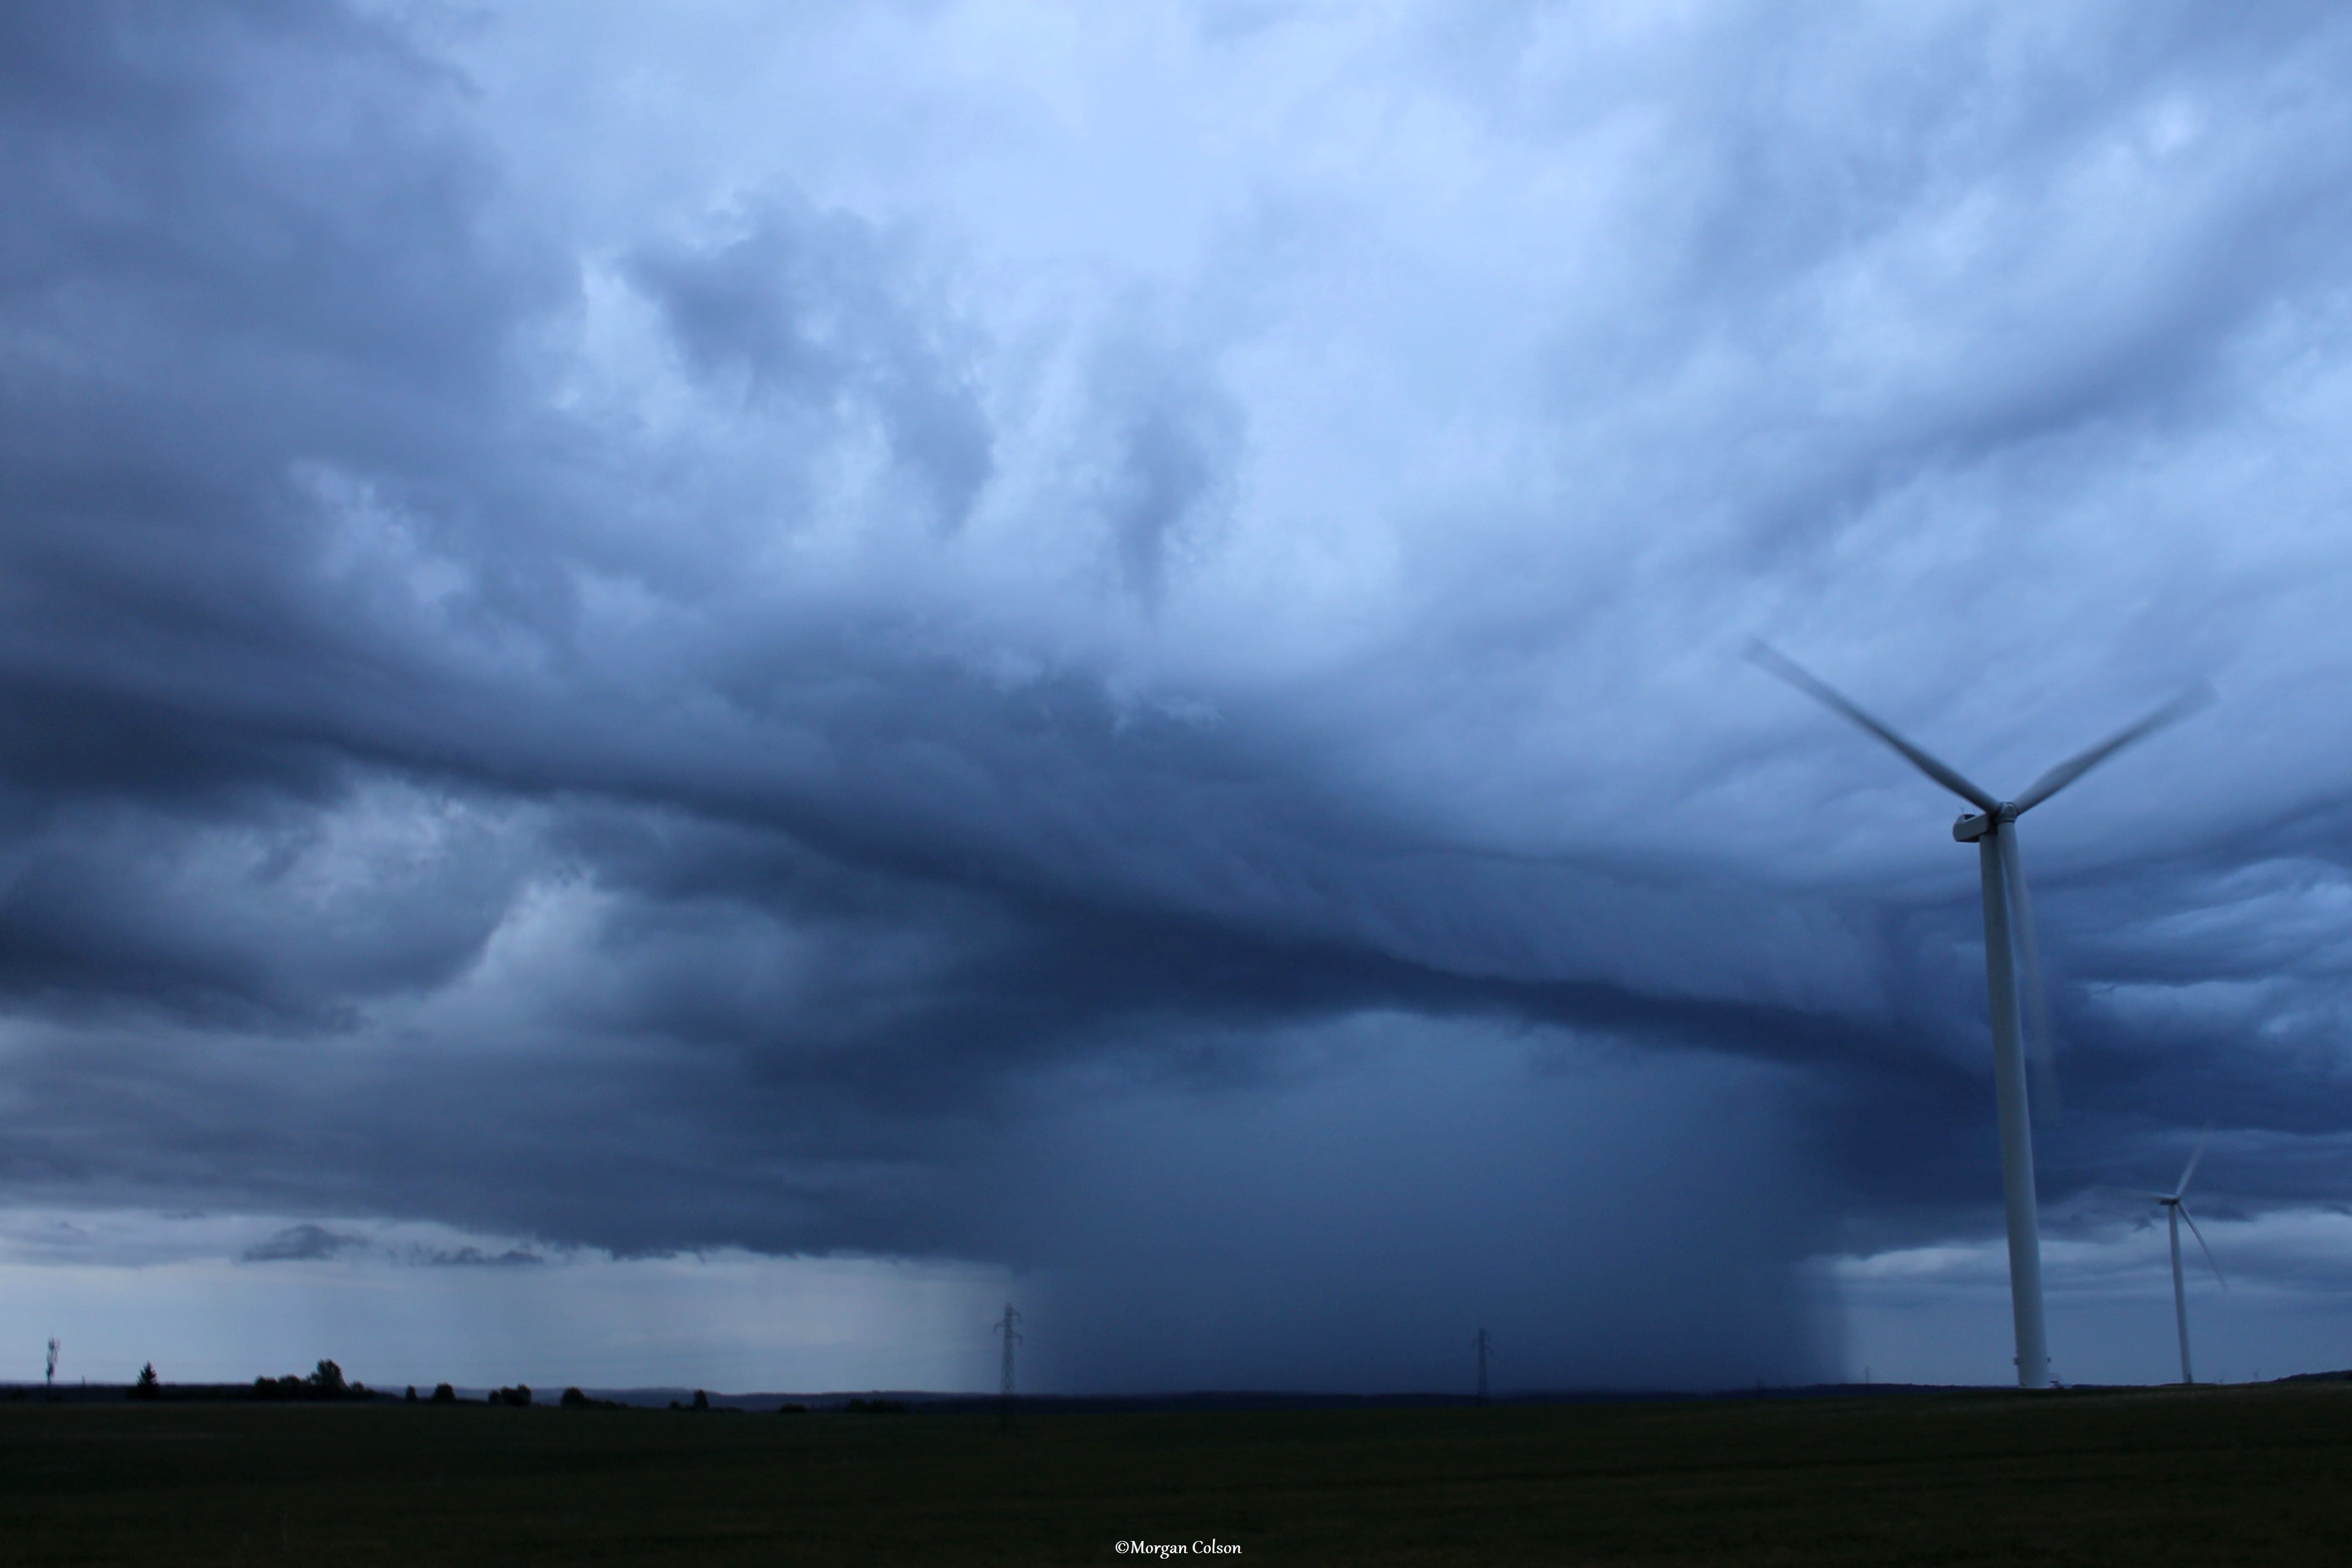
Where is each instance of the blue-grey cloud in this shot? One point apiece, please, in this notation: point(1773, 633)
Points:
point(797, 313)
point(301, 1243)
point(655, 686)
point(475, 1257)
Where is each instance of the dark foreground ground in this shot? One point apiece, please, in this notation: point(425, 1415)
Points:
point(2210, 1476)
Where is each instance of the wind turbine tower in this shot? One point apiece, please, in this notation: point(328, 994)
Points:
point(2176, 1211)
point(2009, 945)
point(1485, 1343)
point(49, 1380)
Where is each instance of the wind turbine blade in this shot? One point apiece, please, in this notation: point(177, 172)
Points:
point(2194, 1155)
point(2075, 767)
point(1767, 658)
point(2202, 1247)
point(2039, 1050)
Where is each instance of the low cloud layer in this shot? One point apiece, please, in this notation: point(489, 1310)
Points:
point(860, 636)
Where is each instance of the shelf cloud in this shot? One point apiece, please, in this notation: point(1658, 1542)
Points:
point(1106, 643)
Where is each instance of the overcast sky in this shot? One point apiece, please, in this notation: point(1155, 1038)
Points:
point(685, 691)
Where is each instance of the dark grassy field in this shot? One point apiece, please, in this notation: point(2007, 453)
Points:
point(2219, 1476)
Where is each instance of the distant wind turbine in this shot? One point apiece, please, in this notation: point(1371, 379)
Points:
point(2175, 1211)
point(2009, 943)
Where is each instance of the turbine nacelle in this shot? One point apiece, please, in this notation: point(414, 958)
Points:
point(1973, 826)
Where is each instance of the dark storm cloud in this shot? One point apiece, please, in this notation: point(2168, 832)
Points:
point(718, 731)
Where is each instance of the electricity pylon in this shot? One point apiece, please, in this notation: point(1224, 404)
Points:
point(1011, 1336)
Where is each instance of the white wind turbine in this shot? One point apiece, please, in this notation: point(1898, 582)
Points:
point(2175, 1211)
point(2009, 943)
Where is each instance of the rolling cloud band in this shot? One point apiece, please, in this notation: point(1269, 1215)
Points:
point(1107, 643)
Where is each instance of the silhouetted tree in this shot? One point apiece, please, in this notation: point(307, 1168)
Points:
point(410, 1398)
point(572, 1399)
point(443, 1394)
point(327, 1383)
point(148, 1386)
point(702, 1400)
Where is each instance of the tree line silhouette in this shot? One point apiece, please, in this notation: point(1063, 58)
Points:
point(326, 1382)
